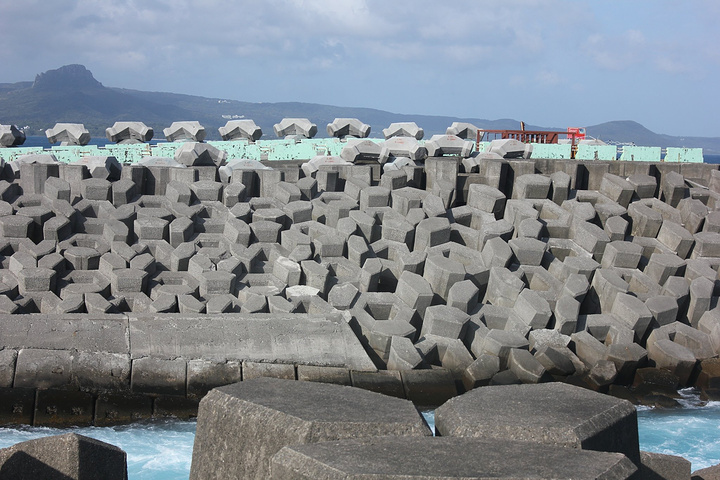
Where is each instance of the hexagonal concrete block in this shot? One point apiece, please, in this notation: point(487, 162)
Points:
point(552, 413)
point(68, 134)
point(348, 127)
point(273, 413)
point(358, 149)
point(11, 136)
point(104, 167)
point(129, 133)
point(466, 131)
point(194, 154)
point(240, 129)
point(185, 131)
point(508, 148)
point(401, 147)
point(404, 129)
point(440, 145)
point(300, 127)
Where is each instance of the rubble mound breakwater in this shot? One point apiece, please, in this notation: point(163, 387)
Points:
point(131, 290)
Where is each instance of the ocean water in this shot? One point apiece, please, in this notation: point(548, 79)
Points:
point(162, 449)
point(692, 432)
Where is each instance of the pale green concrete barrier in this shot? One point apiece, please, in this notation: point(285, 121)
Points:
point(596, 152)
point(640, 154)
point(552, 150)
point(684, 155)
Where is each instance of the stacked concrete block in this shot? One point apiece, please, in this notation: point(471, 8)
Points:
point(185, 132)
point(356, 150)
point(348, 127)
point(11, 136)
point(193, 154)
point(449, 273)
point(531, 186)
point(403, 129)
point(440, 145)
point(401, 147)
point(68, 134)
point(466, 131)
point(510, 148)
point(129, 133)
point(295, 127)
point(240, 129)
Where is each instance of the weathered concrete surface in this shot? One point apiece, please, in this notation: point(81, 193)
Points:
point(264, 415)
point(67, 457)
point(129, 132)
point(309, 339)
point(443, 458)
point(80, 332)
point(551, 413)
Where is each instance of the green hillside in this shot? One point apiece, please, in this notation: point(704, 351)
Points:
point(72, 94)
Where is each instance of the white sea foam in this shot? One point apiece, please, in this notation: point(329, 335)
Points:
point(692, 432)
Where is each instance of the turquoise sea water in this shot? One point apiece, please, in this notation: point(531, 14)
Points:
point(162, 449)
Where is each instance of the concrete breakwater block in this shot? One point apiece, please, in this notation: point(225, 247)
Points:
point(129, 133)
point(241, 426)
point(185, 131)
point(68, 134)
point(423, 266)
point(295, 127)
point(552, 413)
point(67, 457)
point(348, 127)
point(240, 129)
point(11, 136)
point(390, 458)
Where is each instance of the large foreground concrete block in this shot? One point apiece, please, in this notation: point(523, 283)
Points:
point(67, 457)
point(552, 413)
point(263, 415)
point(389, 458)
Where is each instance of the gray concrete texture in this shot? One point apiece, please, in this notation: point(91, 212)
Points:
point(68, 134)
point(11, 136)
point(129, 132)
point(299, 412)
point(361, 263)
point(69, 456)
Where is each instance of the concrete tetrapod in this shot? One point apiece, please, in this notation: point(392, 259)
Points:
point(264, 415)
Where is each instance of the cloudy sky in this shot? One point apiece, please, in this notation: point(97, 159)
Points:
point(554, 63)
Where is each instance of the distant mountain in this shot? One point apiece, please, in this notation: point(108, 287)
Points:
point(72, 94)
point(627, 131)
